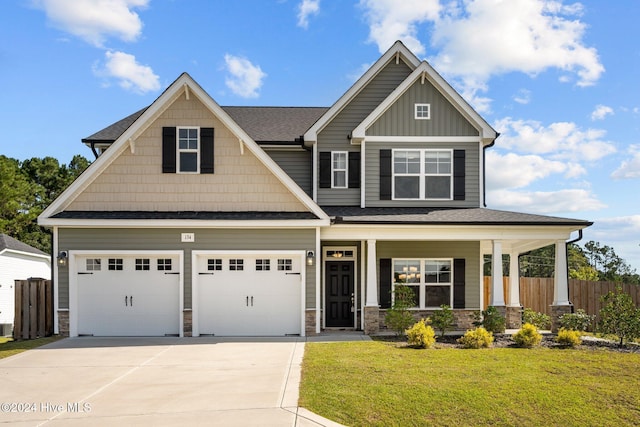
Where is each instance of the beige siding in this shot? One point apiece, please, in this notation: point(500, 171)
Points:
point(470, 251)
point(134, 181)
point(399, 119)
point(334, 137)
point(472, 178)
point(169, 239)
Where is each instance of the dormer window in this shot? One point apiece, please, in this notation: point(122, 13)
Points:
point(188, 153)
point(422, 111)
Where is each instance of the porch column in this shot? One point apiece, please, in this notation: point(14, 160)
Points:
point(514, 309)
point(371, 309)
point(561, 304)
point(496, 298)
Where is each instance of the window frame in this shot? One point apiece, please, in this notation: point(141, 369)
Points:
point(344, 170)
point(417, 106)
point(422, 174)
point(423, 284)
point(188, 150)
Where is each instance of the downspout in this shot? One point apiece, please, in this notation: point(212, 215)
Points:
point(484, 170)
point(566, 248)
point(93, 148)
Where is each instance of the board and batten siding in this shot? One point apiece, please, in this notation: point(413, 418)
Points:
point(169, 239)
point(399, 119)
point(135, 182)
point(472, 178)
point(297, 164)
point(470, 251)
point(334, 136)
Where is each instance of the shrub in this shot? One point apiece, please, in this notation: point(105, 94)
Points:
point(420, 335)
point(442, 320)
point(578, 321)
point(568, 338)
point(528, 336)
point(620, 316)
point(398, 317)
point(539, 320)
point(476, 338)
point(491, 320)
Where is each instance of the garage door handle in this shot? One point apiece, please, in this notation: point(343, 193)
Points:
point(202, 274)
point(292, 273)
point(131, 300)
point(82, 272)
point(247, 301)
point(251, 300)
point(126, 301)
point(171, 272)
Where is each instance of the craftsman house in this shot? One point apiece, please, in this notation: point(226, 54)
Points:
point(197, 219)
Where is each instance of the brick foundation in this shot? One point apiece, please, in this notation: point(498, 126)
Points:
point(556, 312)
point(371, 320)
point(187, 320)
point(310, 322)
point(514, 317)
point(63, 323)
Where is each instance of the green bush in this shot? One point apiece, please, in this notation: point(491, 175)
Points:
point(476, 338)
point(578, 321)
point(442, 320)
point(528, 336)
point(539, 320)
point(398, 318)
point(420, 335)
point(568, 337)
point(491, 320)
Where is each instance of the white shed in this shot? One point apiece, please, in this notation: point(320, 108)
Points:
point(18, 261)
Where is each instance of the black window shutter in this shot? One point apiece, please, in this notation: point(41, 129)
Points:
point(458, 283)
point(385, 282)
point(354, 169)
point(385, 174)
point(168, 150)
point(325, 169)
point(458, 174)
point(206, 150)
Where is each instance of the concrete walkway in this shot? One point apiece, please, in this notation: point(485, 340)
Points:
point(158, 382)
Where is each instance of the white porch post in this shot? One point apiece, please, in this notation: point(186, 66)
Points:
point(561, 281)
point(496, 298)
point(514, 280)
point(372, 276)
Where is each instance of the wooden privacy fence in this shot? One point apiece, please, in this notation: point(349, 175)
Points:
point(537, 293)
point(33, 309)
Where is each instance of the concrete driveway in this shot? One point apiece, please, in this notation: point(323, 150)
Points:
point(156, 381)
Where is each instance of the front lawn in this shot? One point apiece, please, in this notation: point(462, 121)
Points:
point(9, 347)
point(383, 383)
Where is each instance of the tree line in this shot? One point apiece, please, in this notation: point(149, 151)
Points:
point(27, 188)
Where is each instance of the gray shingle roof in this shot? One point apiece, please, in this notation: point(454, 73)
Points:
point(263, 124)
point(8, 242)
point(186, 215)
point(443, 216)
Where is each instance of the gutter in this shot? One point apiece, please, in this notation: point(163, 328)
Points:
point(484, 170)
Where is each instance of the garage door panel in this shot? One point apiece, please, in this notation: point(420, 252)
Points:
point(128, 295)
point(262, 298)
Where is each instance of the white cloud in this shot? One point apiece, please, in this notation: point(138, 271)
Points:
point(523, 96)
point(130, 75)
point(245, 79)
point(391, 20)
point(478, 39)
point(544, 202)
point(95, 20)
point(621, 233)
point(306, 9)
point(560, 140)
point(601, 112)
point(513, 171)
point(629, 169)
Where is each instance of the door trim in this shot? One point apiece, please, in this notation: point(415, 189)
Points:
point(73, 281)
point(356, 294)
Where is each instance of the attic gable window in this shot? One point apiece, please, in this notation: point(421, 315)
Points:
point(422, 111)
point(188, 150)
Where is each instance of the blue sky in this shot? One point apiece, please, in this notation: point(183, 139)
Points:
point(558, 80)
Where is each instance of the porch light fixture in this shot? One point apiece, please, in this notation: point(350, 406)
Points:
point(311, 257)
point(63, 256)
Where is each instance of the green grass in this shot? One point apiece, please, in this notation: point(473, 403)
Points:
point(9, 347)
point(383, 383)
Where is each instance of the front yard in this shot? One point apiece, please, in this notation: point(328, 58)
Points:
point(9, 347)
point(386, 383)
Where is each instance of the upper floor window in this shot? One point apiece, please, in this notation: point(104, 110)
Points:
point(422, 174)
point(188, 150)
point(339, 169)
point(422, 111)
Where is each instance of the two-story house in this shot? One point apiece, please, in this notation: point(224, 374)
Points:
point(197, 219)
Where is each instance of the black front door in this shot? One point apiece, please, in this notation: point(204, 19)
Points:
point(339, 293)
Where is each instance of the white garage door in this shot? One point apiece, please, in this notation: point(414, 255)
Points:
point(128, 295)
point(249, 294)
